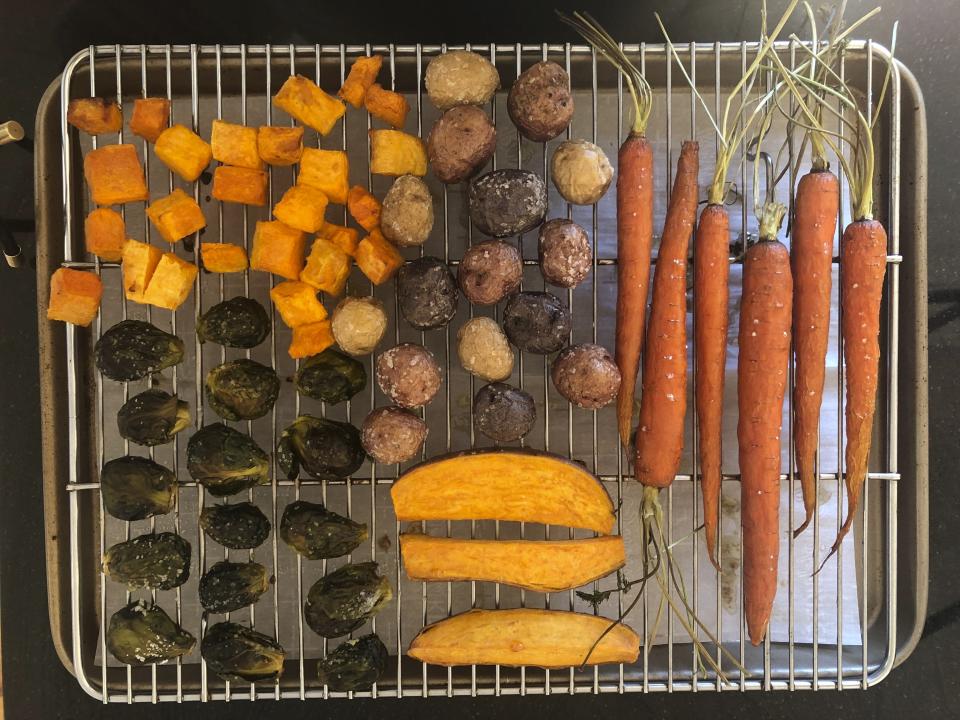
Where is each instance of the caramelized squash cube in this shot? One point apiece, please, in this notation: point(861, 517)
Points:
point(364, 207)
point(311, 339)
point(327, 267)
point(74, 296)
point(95, 116)
point(304, 101)
point(171, 282)
point(278, 249)
point(280, 145)
point(105, 233)
point(183, 151)
point(176, 216)
point(378, 258)
point(140, 260)
point(115, 175)
point(394, 152)
point(345, 238)
point(234, 144)
point(240, 185)
point(389, 106)
point(302, 207)
point(223, 257)
point(297, 303)
point(150, 117)
point(326, 170)
point(362, 74)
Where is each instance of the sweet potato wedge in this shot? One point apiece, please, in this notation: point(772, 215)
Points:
point(94, 115)
point(115, 175)
point(105, 233)
point(74, 296)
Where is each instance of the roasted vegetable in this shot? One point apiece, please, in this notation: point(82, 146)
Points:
point(409, 375)
point(280, 145)
point(104, 233)
point(304, 101)
point(427, 293)
point(394, 152)
point(136, 488)
point(504, 413)
point(354, 664)
point(240, 185)
point(484, 350)
point(326, 170)
point(327, 268)
point(389, 106)
point(580, 171)
point(222, 257)
point(341, 237)
point(183, 151)
point(278, 249)
point(150, 117)
point(540, 102)
point(490, 270)
point(160, 561)
point(234, 144)
point(331, 377)
point(364, 207)
point(460, 77)
point(115, 175)
point(171, 282)
point(302, 207)
point(586, 375)
point(392, 434)
point(460, 143)
point(317, 533)
point(239, 322)
point(228, 586)
point(297, 303)
point(406, 217)
point(241, 389)
point(239, 527)
point(140, 260)
point(537, 322)
point(74, 296)
point(377, 258)
point(94, 115)
point(507, 202)
point(325, 448)
point(311, 339)
point(239, 654)
point(226, 461)
point(133, 349)
point(362, 75)
point(359, 324)
point(565, 253)
point(153, 417)
point(342, 601)
point(141, 634)
point(176, 216)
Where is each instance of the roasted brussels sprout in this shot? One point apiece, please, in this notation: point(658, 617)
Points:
point(331, 377)
point(315, 532)
point(226, 461)
point(239, 527)
point(153, 417)
point(241, 389)
point(135, 488)
point(239, 654)
point(160, 561)
point(229, 586)
point(342, 601)
point(141, 634)
point(240, 322)
point(354, 665)
point(133, 349)
point(325, 448)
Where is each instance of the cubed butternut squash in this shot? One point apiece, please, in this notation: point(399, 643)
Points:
point(105, 233)
point(240, 185)
point(377, 257)
point(394, 152)
point(364, 207)
point(326, 170)
point(234, 144)
point(115, 175)
point(176, 216)
point(297, 303)
point(138, 265)
point(389, 106)
point(362, 74)
point(327, 267)
point(311, 339)
point(302, 207)
point(171, 282)
point(345, 238)
point(183, 151)
point(150, 117)
point(304, 101)
point(280, 145)
point(95, 116)
point(278, 249)
point(74, 296)
point(223, 257)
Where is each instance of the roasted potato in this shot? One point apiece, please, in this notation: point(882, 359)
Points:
point(150, 117)
point(565, 253)
point(104, 233)
point(74, 296)
point(406, 217)
point(115, 175)
point(581, 171)
point(537, 322)
point(460, 77)
point(504, 413)
point(392, 434)
point(427, 293)
point(586, 375)
point(359, 324)
point(507, 202)
point(94, 115)
point(409, 375)
point(490, 271)
point(484, 350)
point(460, 143)
point(540, 102)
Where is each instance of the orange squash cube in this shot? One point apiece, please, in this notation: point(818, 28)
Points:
point(280, 145)
point(304, 101)
point(234, 144)
point(302, 207)
point(362, 74)
point(150, 117)
point(171, 282)
point(223, 257)
point(240, 185)
point(297, 303)
point(327, 267)
point(389, 106)
point(278, 249)
point(95, 116)
point(176, 216)
point(311, 339)
point(74, 296)
point(345, 238)
point(115, 175)
point(183, 151)
point(139, 262)
point(394, 152)
point(326, 170)
point(364, 207)
point(378, 258)
point(105, 233)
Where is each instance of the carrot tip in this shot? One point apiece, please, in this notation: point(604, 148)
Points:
point(803, 526)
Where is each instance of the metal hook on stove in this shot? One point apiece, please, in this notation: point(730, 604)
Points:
point(768, 170)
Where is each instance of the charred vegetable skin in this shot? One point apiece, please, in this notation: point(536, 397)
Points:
point(226, 461)
point(507, 202)
point(504, 413)
point(240, 322)
point(342, 601)
point(331, 377)
point(239, 654)
point(139, 634)
point(537, 322)
point(153, 417)
point(354, 665)
point(241, 389)
point(428, 293)
point(160, 561)
point(136, 488)
point(317, 533)
point(324, 448)
point(239, 527)
point(229, 586)
point(133, 349)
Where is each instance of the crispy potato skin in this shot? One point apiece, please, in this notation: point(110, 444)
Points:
point(460, 143)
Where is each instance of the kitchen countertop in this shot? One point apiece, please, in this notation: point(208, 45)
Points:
point(39, 36)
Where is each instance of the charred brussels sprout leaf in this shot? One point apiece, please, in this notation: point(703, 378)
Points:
point(240, 322)
point(316, 533)
point(325, 448)
point(241, 389)
point(153, 417)
point(331, 377)
point(342, 601)
point(226, 461)
point(354, 665)
point(160, 561)
point(135, 488)
point(229, 586)
point(140, 634)
point(133, 349)
point(239, 654)
point(239, 527)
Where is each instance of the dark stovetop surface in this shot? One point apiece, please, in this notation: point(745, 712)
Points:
point(38, 37)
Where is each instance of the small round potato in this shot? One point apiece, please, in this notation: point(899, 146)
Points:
point(536, 322)
point(490, 271)
point(540, 103)
point(507, 202)
point(586, 375)
point(460, 143)
point(409, 375)
point(406, 217)
point(392, 434)
point(565, 253)
point(504, 413)
point(427, 293)
point(460, 77)
point(484, 350)
point(358, 324)
point(581, 171)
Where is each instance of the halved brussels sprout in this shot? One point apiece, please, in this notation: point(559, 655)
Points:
point(133, 349)
point(226, 461)
point(239, 527)
point(240, 322)
point(342, 601)
point(135, 488)
point(160, 561)
point(315, 532)
point(141, 634)
point(325, 448)
point(354, 665)
point(241, 389)
point(153, 417)
point(331, 377)
point(229, 586)
point(239, 654)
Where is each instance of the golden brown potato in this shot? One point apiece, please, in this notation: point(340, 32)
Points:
point(234, 144)
point(176, 216)
point(393, 152)
point(280, 145)
point(240, 185)
point(304, 101)
point(460, 77)
point(580, 171)
point(183, 151)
